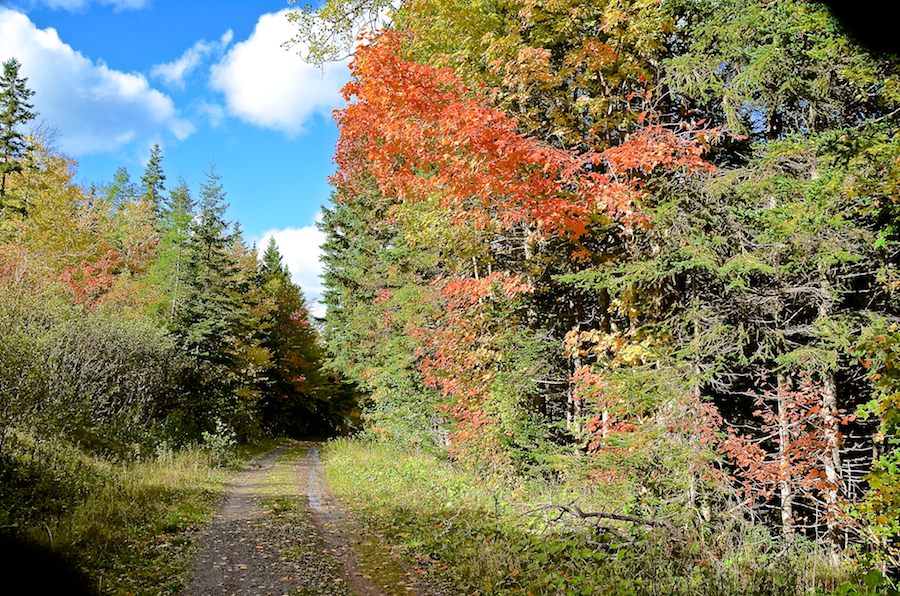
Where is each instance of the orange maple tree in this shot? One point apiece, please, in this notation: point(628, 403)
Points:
point(422, 133)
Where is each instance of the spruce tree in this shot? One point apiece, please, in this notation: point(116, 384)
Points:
point(209, 306)
point(273, 268)
point(14, 112)
point(152, 182)
point(205, 320)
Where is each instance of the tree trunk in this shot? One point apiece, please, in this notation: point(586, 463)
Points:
point(832, 455)
point(785, 488)
point(573, 411)
point(832, 464)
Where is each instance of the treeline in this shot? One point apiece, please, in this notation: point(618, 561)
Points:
point(649, 246)
point(132, 315)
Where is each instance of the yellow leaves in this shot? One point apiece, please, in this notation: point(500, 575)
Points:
point(531, 69)
point(615, 348)
point(57, 231)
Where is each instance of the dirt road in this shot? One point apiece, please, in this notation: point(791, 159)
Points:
point(282, 532)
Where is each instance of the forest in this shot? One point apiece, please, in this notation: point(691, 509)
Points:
point(136, 314)
point(649, 248)
point(135, 324)
point(637, 255)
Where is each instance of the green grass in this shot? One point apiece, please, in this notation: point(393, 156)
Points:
point(129, 526)
point(481, 536)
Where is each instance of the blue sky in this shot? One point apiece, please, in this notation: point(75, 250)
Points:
point(209, 82)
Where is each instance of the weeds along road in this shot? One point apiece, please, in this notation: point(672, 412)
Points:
point(282, 532)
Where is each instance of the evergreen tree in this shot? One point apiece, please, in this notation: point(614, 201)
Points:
point(249, 371)
point(294, 402)
point(272, 267)
point(369, 270)
point(152, 182)
point(207, 315)
point(118, 193)
point(209, 308)
point(169, 270)
point(14, 112)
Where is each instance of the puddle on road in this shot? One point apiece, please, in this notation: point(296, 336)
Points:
point(314, 483)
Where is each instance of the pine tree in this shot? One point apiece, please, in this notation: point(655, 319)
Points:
point(14, 112)
point(134, 222)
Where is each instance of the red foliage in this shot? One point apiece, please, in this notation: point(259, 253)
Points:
point(424, 135)
point(810, 433)
point(457, 355)
point(92, 280)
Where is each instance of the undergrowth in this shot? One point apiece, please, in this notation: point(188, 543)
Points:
point(488, 537)
point(127, 525)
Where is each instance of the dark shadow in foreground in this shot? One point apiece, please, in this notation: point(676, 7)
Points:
point(36, 571)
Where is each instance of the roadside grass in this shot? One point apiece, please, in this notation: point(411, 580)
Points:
point(129, 526)
point(484, 536)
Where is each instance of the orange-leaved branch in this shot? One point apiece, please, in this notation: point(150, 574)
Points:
point(423, 134)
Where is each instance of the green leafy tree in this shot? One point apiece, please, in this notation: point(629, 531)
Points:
point(329, 33)
point(647, 332)
point(121, 190)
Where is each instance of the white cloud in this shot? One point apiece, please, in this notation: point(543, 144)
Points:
point(95, 108)
point(173, 73)
point(214, 113)
point(271, 87)
point(74, 5)
point(301, 251)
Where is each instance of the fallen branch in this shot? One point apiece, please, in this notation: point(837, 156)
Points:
point(575, 510)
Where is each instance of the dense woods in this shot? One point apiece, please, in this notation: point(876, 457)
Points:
point(143, 342)
point(649, 247)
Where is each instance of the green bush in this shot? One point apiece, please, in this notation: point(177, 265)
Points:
point(88, 374)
